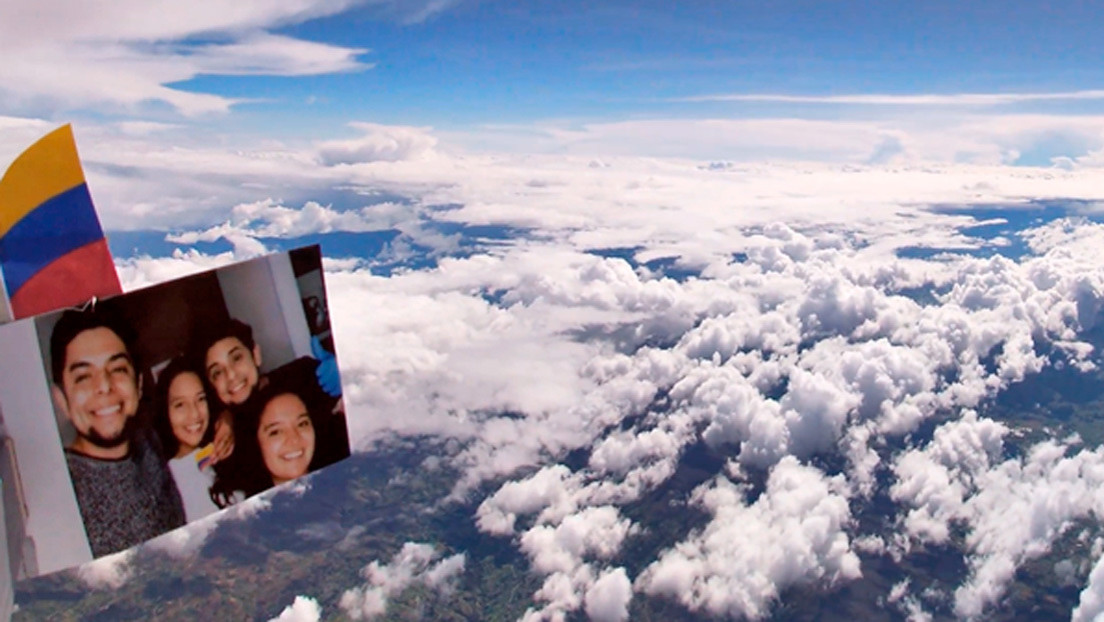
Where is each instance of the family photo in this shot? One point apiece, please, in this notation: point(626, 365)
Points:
point(170, 403)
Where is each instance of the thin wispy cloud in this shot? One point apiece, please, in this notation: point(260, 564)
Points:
point(132, 56)
point(886, 99)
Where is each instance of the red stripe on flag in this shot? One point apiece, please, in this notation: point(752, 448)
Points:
point(68, 281)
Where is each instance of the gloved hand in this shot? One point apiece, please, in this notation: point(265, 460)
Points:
point(328, 377)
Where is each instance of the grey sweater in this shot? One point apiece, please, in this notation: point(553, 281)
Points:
point(127, 501)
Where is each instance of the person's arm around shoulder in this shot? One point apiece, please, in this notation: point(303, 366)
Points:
point(224, 437)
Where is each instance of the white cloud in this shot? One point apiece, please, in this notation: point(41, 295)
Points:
point(1020, 508)
point(268, 54)
point(175, 178)
point(1014, 509)
point(953, 99)
point(441, 576)
point(1091, 604)
point(608, 599)
point(303, 609)
point(794, 533)
point(185, 542)
point(139, 272)
point(900, 351)
point(18, 133)
point(498, 513)
point(134, 74)
point(127, 54)
point(887, 364)
point(268, 219)
point(109, 572)
point(570, 537)
point(936, 479)
point(414, 564)
point(592, 532)
point(899, 138)
point(379, 143)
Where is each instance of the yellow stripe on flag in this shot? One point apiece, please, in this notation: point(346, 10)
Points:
point(45, 170)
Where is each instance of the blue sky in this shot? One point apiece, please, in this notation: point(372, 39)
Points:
point(490, 62)
point(463, 62)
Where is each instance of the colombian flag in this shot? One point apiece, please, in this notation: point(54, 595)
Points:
point(52, 250)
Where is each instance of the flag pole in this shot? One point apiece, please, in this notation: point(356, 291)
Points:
point(6, 314)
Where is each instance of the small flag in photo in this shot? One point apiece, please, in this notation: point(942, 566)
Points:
point(204, 455)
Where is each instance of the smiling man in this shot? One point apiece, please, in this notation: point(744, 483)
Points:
point(123, 486)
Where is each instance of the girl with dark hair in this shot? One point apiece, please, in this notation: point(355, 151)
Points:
point(280, 440)
point(183, 423)
point(285, 435)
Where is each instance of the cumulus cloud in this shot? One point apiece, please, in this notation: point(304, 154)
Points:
point(596, 531)
point(735, 374)
point(416, 563)
point(891, 372)
point(795, 532)
point(136, 272)
point(1091, 604)
point(267, 218)
point(935, 480)
point(547, 488)
point(608, 599)
point(185, 541)
point(567, 542)
point(303, 609)
point(1019, 510)
point(1013, 509)
point(379, 143)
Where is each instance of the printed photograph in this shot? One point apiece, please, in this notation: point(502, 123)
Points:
point(170, 403)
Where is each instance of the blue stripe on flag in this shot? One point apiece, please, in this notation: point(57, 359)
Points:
point(53, 229)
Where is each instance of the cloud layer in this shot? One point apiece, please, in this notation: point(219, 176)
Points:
point(879, 365)
point(952, 99)
point(822, 330)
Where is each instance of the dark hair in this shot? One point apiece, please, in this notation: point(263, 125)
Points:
point(210, 335)
point(74, 322)
point(251, 476)
point(161, 421)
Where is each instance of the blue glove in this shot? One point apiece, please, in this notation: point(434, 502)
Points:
point(328, 377)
